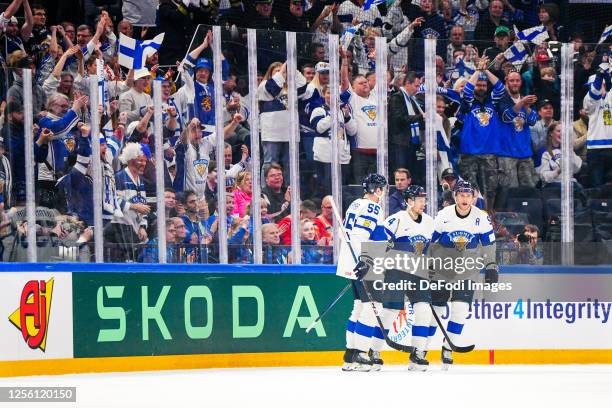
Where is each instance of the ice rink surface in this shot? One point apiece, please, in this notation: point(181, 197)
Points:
point(471, 386)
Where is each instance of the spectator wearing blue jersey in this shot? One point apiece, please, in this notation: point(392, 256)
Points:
point(273, 253)
point(479, 136)
point(151, 251)
point(60, 119)
point(515, 161)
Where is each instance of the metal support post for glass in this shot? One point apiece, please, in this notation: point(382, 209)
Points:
point(159, 173)
point(255, 154)
point(220, 138)
point(567, 152)
point(294, 145)
point(29, 165)
point(381, 112)
point(431, 149)
point(96, 170)
point(336, 170)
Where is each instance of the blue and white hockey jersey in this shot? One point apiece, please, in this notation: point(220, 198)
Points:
point(408, 234)
point(363, 222)
point(461, 233)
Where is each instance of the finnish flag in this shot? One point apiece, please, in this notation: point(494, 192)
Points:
point(536, 35)
point(347, 36)
point(133, 53)
point(370, 3)
point(606, 33)
point(516, 54)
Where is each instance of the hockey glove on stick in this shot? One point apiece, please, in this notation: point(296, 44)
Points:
point(363, 266)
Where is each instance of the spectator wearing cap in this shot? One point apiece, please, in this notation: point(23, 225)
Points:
point(7, 15)
point(448, 179)
point(403, 180)
point(485, 29)
point(502, 40)
point(480, 129)
point(203, 85)
point(15, 92)
point(321, 122)
point(310, 100)
point(135, 101)
point(14, 35)
point(131, 227)
point(546, 85)
point(539, 131)
point(406, 127)
point(518, 115)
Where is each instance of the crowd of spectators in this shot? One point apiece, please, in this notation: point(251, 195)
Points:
point(496, 120)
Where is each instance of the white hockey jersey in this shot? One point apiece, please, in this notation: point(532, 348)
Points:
point(408, 234)
point(363, 222)
point(599, 108)
point(461, 233)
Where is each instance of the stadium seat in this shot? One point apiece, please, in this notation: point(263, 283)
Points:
point(600, 204)
point(513, 221)
point(553, 207)
point(531, 206)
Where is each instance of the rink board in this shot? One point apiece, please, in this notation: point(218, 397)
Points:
point(63, 318)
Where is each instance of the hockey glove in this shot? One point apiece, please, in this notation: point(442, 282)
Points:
point(363, 266)
point(491, 273)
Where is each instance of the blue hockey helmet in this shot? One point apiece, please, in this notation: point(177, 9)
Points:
point(413, 192)
point(373, 181)
point(463, 186)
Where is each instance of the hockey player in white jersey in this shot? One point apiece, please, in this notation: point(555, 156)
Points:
point(462, 231)
point(411, 231)
point(363, 222)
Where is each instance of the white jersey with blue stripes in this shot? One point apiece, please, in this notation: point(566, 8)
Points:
point(463, 232)
point(408, 234)
point(363, 222)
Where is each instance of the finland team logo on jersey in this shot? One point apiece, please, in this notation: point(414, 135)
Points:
point(69, 143)
point(460, 239)
point(417, 242)
point(519, 123)
point(430, 33)
point(200, 166)
point(484, 116)
point(207, 103)
point(369, 110)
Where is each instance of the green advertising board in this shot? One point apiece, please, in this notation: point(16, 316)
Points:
point(144, 314)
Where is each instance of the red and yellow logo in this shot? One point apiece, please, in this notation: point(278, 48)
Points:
point(32, 316)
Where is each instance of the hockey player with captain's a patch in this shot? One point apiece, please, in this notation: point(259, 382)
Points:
point(363, 223)
point(463, 244)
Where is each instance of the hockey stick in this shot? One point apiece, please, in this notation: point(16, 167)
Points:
point(458, 349)
point(390, 343)
point(329, 307)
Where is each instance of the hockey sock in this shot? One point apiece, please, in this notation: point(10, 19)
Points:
point(352, 321)
point(378, 339)
point(459, 312)
point(420, 329)
point(433, 325)
point(364, 329)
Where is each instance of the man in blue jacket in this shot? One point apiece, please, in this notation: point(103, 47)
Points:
point(481, 130)
point(515, 156)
